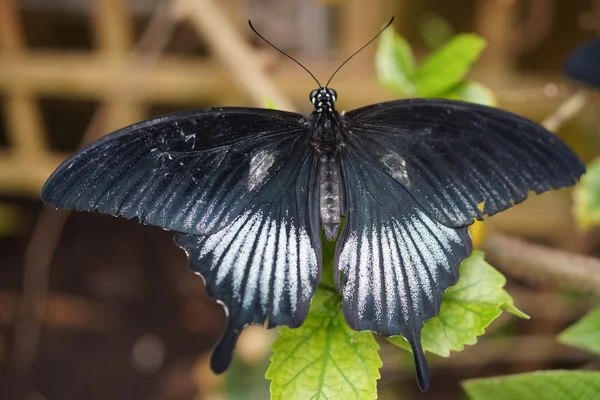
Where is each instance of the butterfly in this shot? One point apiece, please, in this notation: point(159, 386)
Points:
point(583, 63)
point(249, 192)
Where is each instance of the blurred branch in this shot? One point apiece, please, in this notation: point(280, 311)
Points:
point(565, 111)
point(64, 311)
point(543, 265)
point(530, 220)
point(497, 22)
point(520, 349)
point(494, 20)
point(549, 305)
point(500, 350)
point(232, 50)
point(49, 225)
point(11, 35)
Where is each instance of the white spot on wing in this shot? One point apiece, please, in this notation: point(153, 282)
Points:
point(260, 163)
point(396, 166)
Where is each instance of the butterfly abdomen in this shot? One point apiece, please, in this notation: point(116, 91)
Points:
point(330, 199)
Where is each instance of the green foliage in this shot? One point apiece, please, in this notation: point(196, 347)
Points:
point(324, 359)
point(441, 74)
point(449, 65)
point(245, 381)
point(546, 385)
point(435, 30)
point(586, 205)
point(585, 333)
point(270, 104)
point(395, 63)
point(467, 308)
point(473, 92)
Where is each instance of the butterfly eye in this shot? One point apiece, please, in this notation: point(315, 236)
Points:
point(313, 96)
point(332, 94)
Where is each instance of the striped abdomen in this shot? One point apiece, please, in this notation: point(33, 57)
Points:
point(330, 200)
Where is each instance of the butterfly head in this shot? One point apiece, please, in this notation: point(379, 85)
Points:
point(323, 99)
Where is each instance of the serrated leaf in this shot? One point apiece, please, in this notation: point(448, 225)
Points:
point(543, 385)
point(324, 359)
point(473, 92)
point(395, 63)
point(586, 196)
point(584, 334)
point(467, 308)
point(449, 65)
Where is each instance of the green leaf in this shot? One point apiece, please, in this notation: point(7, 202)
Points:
point(542, 385)
point(586, 196)
point(584, 334)
point(328, 251)
point(467, 308)
point(449, 65)
point(270, 104)
point(473, 92)
point(324, 359)
point(395, 63)
point(435, 30)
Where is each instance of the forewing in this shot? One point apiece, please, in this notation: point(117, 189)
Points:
point(393, 260)
point(265, 265)
point(451, 156)
point(583, 64)
point(192, 172)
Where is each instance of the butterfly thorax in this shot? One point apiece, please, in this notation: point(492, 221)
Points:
point(325, 120)
point(327, 140)
point(327, 131)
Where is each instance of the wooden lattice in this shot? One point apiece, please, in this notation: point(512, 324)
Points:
point(26, 74)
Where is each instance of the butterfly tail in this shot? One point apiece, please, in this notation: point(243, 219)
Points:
point(223, 352)
point(421, 365)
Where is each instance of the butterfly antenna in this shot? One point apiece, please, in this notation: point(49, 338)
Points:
point(283, 52)
point(359, 50)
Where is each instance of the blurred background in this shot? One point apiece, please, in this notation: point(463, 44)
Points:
point(96, 307)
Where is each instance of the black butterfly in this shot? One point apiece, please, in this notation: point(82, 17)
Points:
point(583, 63)
point(249, 190)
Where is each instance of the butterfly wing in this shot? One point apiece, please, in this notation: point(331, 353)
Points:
point(393, 261)
point(451, 156)
point(239, 185)
point(264, 267)
point(583, 64)
point(192, 172)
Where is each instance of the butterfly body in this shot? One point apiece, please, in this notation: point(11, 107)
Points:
point(327, 141)
point(248, 192)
